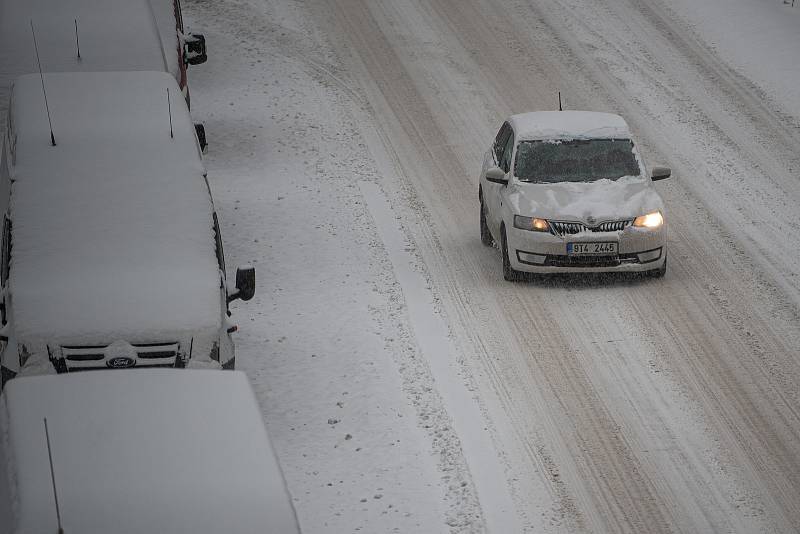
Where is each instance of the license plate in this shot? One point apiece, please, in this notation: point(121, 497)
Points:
point(590, 249)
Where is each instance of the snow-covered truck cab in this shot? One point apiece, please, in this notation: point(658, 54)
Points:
point(111, 249)
point(94, 35)
point(144, 451)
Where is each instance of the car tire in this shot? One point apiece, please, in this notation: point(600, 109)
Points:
point(660, 272)
point(509, 273)
point(486, 235)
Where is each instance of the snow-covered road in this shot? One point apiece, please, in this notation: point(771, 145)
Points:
point(608, 405)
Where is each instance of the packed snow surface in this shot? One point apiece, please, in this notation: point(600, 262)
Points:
point(538, 125)
point(142, 451)
point(112, 227)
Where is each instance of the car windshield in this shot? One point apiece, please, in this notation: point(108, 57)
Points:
point(576, 160)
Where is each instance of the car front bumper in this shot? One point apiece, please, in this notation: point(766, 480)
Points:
point(541, 252)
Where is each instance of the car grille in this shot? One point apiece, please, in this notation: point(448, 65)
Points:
point(561, 228)
point(88, 357)
point(554, 260)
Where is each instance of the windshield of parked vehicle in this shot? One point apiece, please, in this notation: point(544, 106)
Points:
point(575, 160)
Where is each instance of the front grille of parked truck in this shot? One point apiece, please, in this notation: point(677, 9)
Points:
point(88, 357)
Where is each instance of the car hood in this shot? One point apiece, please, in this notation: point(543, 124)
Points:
point(602, 200)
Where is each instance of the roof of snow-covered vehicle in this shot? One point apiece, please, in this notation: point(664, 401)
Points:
point(112, 227)
point(113, 35)
point(155, 450)
point(538, 125)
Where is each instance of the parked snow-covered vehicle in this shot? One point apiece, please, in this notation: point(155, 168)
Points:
point(566, 191)
point(109, 35)
point(111, 249)
point(145, 451)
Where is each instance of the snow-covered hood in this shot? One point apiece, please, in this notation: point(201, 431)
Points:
point(138, 306)
point(603, 200)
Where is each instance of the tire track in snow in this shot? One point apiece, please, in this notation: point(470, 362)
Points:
point(753, 370)
point(357, 26)
point(453, 286)
point(432, 336)
point(408, 109)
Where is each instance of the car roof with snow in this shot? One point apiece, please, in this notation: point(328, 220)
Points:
point(113, 35)
point(538, 125)
point(148, 450)
point(113, 226)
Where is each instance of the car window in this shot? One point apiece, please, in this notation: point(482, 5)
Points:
point(500, 141)
point(578, 160)
point(508, 150)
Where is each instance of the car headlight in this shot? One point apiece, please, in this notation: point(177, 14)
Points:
point(533, 224)
point(651, 220)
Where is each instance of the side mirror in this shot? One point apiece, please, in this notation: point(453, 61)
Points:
point(496, 175)
point(245, 283)
point(195, 49)
point(659, 173)
point(200, 130)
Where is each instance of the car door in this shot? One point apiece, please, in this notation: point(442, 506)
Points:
point(492, 191)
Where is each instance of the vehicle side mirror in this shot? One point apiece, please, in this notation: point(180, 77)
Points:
point(496, 175)
point(659, 173)
point(245, 283)
point(195, 51)
point(200, 130)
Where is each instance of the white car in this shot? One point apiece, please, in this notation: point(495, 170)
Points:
point(566, 191)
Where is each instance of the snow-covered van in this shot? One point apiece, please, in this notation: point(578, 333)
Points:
point(97, 35)
point(111, 250)
point(144, 451)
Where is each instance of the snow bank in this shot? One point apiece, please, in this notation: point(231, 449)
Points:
point(144, 451)
point(538, 125)
point(112, 228)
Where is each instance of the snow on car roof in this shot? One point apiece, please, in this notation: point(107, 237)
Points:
point(154, 450)
point(538, 125)
point(112, 227)
point(113, 35)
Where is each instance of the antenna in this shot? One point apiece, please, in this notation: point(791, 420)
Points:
point(53, 476)
point(169, 110)
point(559, 101)
point(46, 106)
point(77, 40)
